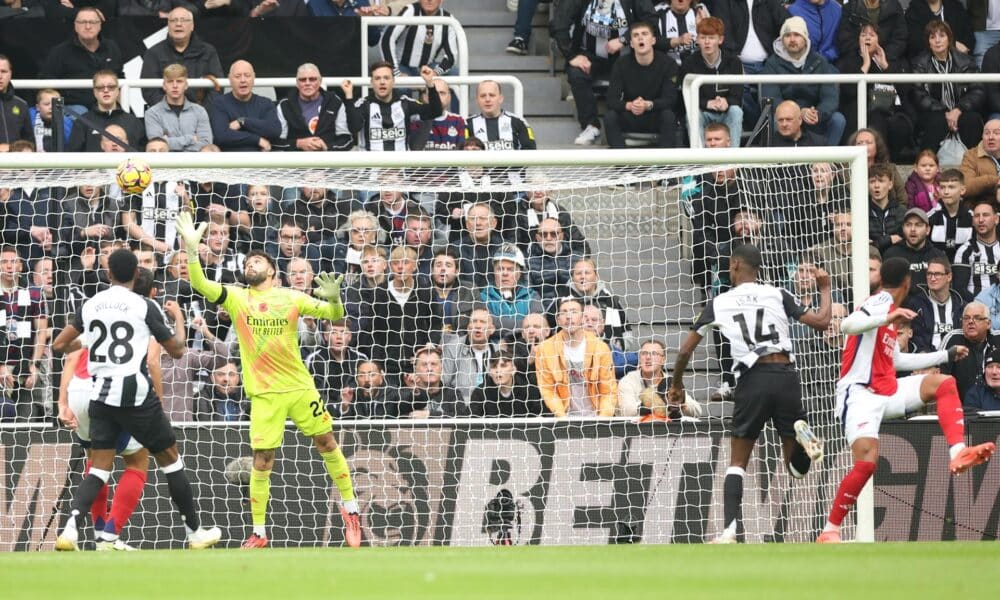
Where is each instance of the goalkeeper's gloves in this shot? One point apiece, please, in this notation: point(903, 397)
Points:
point(189, 233)
point(691, 407)
point(328, 287)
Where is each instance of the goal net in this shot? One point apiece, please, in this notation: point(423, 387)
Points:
point(454, 264)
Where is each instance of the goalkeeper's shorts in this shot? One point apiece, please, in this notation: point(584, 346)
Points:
point(268, 412)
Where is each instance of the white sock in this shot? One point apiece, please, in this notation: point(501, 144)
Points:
point(107, 536)
point(954, 450)
point(351, 506)
point(831, 527)
point(260, 530)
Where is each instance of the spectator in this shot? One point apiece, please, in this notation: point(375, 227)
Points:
point(321, 214)
point(425, 397)
point(981, 342)
point(624, 361)
point(454, 297)
point(550, 259)
point(180, 47)
point(223, 399)
point(878, 153)
point(27, 333)
point(157, 145)
point(362, 230)
point(915, 246)
point(478, 243)
point(985, 395)
point(407, 48)
point(651, 375)
point(359, 295)
point(114, 139)
point(292, 243)
point(921, 12)
point(391, 207)
point(86, 133)
point(334, 364)
point(312, 119)
point(713, 198)
point(788, 122)
point(887, 114)
point(89, 215)
point(14, 121)
point(678, 21)
point(41, 121)
point(574, 368)
point(446, 132)
point(507, 299)
point(183, 377)
point(263, 219)
point(537, 205)
point(221, 263)
point(885, 217)
point(951, 222)
point(370, 398)
point(979, 165)
point(834, 255)
point(588, 289)
point(985, 17)
point(82, 56)
point(300, 277)
point(819, 102)
point(991, 298)
point(976, 260)
point(466, 357)
point(364, 115)
point(241, 120)
point(922, 184)
point(641, 95)
point(222, 8)
point(497, 128)
point(938, 307)
point(405, 315)
point(886, 14)
point(946, 108)
point(175, 118)
point(590, 36)
point(534, 330)
point(505, 392)
point(718, 103)
point(419, 234)
point(822, 19)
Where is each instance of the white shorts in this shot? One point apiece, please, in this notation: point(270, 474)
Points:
point(78, 397)
point(861, 410)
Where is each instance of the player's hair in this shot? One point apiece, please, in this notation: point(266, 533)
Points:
point(380, 64)
point(175, 71)
point(952, 175)
point(941, 260)
point(880, 170)
point(22, 146)
point(46, 92)
point(894, 272)
point(718, 127)
point(473, 142)
point(749, 254)
point(122, 265)
point(143, 282)
point(711, 26)
point(265, 255)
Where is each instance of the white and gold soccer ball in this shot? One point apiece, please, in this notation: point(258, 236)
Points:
point(133, 176)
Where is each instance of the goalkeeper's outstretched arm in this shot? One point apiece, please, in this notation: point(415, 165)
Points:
point(211, 290)
point(328, 289)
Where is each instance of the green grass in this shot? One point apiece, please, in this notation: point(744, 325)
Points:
point(878, 571)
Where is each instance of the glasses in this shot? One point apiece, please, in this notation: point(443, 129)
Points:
point(650, 353)
point(88, 23)
point(975, 319)
point(931, 275)
point(105, 88)
point(179, 20)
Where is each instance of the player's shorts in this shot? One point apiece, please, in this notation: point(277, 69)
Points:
point(269, 411)
point(861, 410)
point(768, 391)
point(78, 397)
point(147, 423)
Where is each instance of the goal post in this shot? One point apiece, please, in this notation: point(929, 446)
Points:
point(639, 214)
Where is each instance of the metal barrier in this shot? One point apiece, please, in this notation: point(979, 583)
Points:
point(692, 84)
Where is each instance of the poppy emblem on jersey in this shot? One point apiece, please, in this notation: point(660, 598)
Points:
point(262, 307)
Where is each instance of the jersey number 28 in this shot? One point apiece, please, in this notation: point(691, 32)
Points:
point(118, 350)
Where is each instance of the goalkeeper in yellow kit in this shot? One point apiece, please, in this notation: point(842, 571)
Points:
point(275, 378)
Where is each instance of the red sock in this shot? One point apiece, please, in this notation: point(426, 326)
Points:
point(99, 509)
point(951, 419)
point(127, 495)
point(850, 487)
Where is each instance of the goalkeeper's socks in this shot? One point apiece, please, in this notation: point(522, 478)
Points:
point(181, 494)
point(99, 509)
point(850, 487)
point(127, 495)
point(732, 494)
point(340, 473)
point(950, 416)
point(260, 493)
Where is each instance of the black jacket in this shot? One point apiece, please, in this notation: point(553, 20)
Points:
point(86, 134)
point(991, 64)
point(199, 57)
point(925, 323)
point(397, 330)
point(892, 32)
point(884, 223)
point(918, 15)
point(926, 97)
point(768, 16)
point(332, 126)
point(808, 139)
point(918, 259)
point(568, 13)
point(15, 124)
point(524, 401)
point(729, 65)
point(445, 403)
point(969, 371)
point(70, 60)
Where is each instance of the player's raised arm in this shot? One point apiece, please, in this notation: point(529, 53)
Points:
point(211, 290)
point(820, 319)
point(327, 288)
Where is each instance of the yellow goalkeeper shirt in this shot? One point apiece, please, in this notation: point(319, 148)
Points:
point(266, 325)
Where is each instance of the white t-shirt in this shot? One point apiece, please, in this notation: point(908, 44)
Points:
point(753, 51)
point(579, 399)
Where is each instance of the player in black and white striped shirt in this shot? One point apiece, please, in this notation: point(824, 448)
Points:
point(382, 118)
point(976, 260)
point(755, 319)
point(118, 324)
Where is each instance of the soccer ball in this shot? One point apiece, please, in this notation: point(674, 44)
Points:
point(133, 176)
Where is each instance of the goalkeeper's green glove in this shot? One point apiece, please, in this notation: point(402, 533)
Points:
point(189, 233)
point(328, 287)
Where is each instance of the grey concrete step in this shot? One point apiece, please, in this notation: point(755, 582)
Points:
point(542, 97)
point(555, 131)
point(504, 63)
point(494, 40)
point(496, 15)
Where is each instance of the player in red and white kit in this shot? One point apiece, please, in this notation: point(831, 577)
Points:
point(868, 390)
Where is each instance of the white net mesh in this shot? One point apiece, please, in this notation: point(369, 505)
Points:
point(642, 246)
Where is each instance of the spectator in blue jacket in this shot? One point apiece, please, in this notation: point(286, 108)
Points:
point(822, 18)
point(241, 120)
point(985, 395)
point(41, 121)
point(505, 297)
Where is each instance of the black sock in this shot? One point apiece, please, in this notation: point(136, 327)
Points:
point(800, 461)
point(732, 493)
point(183, 497)
point(86, 493)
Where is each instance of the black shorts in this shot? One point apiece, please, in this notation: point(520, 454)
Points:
point(767, 391)
point(147, 423)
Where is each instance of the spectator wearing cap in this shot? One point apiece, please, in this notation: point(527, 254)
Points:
point(505, 297)
point(985, 395)
point(915, 246)
point(793, 55)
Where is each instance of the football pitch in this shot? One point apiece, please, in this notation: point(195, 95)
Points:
point(910, 570)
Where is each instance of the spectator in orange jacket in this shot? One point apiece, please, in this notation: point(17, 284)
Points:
point(576, 375)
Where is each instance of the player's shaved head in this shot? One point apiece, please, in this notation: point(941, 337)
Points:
point(749, 255)
point(122, 265)
point(894, 272)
